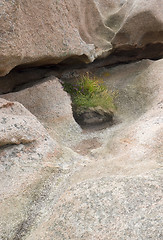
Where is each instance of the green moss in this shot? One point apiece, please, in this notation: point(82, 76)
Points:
point(89, 92)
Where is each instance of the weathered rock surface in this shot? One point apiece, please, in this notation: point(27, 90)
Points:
point(19, 126)
point(107, 208)
point(116, 193)
point(39, 32)
point(47, 190)
point(142, 24)
point(50, 104)
point(26, 153)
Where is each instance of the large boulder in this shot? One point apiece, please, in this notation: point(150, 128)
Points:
point(48, 101)
point(24, 144)
point(48, 32)
point(26, 153)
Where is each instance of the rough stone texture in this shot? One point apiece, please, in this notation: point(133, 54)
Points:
point(48, 191)
point(26, 153)
point(50, 104)
point(107, 208)
point(47, 32)
point(45, 99)
point(134, 146)
point(119, 194)
point(115, 192)
point(23, 140)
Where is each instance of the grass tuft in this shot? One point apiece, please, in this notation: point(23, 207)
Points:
point(89, 92)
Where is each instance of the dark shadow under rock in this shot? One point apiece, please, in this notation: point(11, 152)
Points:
point(93, 116)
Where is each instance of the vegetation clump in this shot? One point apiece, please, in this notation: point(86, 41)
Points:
point(90, 92)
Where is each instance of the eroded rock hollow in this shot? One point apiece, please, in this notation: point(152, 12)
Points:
point(58, 181)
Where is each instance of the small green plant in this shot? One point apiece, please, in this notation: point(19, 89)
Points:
point(89, 92)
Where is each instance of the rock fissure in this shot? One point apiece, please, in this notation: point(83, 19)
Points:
point(26, 76)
